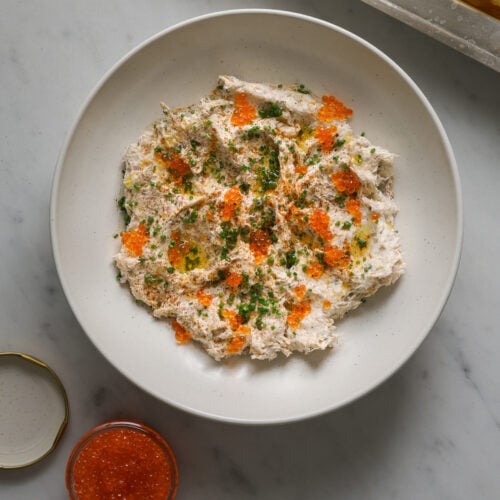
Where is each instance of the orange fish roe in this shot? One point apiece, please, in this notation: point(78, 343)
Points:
point(181, 334)
point(236, 344)
point(300, 169)
point(177, 166)
point(319, 221)
point(204, 299)
point(123, 462)
point(297, 314)
point(300, 291)
point(315, 270)
point(326, 305)
point(260, 241)
point(375, 216)
point(326, 137)
point(232, 201)
point(134, 241)
point(244, 329)
point(234, 280)
point(335, 256)
point(333, 109)
point(354, 208)
point(346, 181)
point(244, 113)
point(233, 317)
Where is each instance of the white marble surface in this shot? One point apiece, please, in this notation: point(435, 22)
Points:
point(432, 431)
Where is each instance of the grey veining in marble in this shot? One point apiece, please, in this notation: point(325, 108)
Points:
point(432, 431)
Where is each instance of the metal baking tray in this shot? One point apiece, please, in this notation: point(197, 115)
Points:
point(453, 22)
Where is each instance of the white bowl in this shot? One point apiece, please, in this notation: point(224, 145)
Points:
point(178, 66)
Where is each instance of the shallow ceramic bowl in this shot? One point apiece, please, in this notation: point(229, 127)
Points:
point(178, 66)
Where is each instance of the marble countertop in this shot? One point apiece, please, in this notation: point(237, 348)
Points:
point(432, 431)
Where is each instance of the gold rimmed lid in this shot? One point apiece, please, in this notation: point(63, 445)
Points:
point(34, 410)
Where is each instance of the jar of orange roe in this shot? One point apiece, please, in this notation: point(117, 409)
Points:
point(122, 460)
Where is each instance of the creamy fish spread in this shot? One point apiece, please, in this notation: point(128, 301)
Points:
point(256, 218)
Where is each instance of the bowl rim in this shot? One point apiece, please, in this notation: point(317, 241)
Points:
point(458, 236)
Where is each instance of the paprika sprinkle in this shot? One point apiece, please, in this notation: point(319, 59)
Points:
point(122, 460)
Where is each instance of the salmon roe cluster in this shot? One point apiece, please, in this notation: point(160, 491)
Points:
point(233, 318)
point(176, 165)
point(244, 113)
point(204, 299)
point(236, 344)
point(354, 208)
point(300, 291)
point(134, 241)
point(320, 224)
point(297, 314)
point(346, 181)
point(335, 256)
point(315, 270)
point(234, 280)
point(333, 109)
point(235, 321)
point(232, 201)
point(182, 336)
point(326, 137)
point(260, 241)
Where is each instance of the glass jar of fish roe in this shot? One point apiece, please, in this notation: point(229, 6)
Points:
point(123, 460)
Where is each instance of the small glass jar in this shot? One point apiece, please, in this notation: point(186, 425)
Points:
point(122, 459)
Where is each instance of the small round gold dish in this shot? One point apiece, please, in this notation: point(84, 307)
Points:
point(34, 410)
